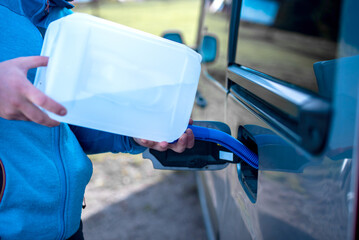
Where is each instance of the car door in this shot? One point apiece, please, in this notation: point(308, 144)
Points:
point(285, 81)
point(292, 82)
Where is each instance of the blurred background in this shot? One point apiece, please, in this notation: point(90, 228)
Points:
point(126, 198)
point(153, 16)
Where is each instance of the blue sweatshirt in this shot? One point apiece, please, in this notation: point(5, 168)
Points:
point(43, 171)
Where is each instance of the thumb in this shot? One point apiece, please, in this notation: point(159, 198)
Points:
point(32, 61)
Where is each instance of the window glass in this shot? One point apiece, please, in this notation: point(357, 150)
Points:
point(285, 38)
point(216, 22)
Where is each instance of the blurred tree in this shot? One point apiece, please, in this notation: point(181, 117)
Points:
point(95, 5)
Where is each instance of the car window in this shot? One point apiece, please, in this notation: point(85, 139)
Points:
point(216, 22)
point(285, 38)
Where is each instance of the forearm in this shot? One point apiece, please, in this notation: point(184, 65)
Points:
point(94, 141)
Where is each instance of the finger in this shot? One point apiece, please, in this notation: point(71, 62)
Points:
point(143, 142)
point(190, 121)
point(24, 118)
point(35, 96)
point(180, 145)
point(33, 61)
point(147, 143)
point(21, 117)
point(163, 146)
point(36, 115)
point(190, 138)
point(160, 146)
point(15, 115)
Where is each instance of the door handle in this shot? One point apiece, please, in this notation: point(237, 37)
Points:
point(301, 116)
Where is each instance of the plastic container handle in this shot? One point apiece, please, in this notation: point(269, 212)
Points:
point(227, 141)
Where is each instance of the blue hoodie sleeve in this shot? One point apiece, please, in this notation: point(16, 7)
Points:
point(94, 141)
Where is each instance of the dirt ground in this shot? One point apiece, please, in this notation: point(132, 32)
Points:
point(127, 199)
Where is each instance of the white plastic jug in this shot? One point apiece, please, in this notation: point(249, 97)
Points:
point(117, 79)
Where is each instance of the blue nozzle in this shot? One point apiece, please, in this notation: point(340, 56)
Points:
point(227, 141)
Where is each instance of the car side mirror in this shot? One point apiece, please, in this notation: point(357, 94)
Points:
point(173, 36)
point(209, 48)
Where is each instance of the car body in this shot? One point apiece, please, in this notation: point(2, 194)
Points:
point(285, 81)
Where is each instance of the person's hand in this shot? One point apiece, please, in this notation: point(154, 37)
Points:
point(18, 97)
point(185, 141)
